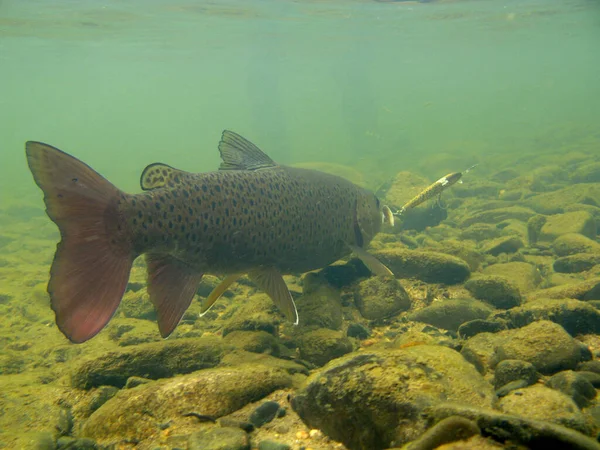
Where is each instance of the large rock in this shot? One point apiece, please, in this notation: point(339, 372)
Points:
point(370, 399)
point(587, 173)
point(431, 267)
point(154, 360)
point(556, 201)
point(322, 345)
point(544, 344)
point(504, 244)
point(321, 306)
point(524, 275)
point(380, 297)
point(256, 313)
point(581, 222)
point(138, 414)
point(494, 216)
point(575, 316)
point(451, 314)
point(584, 290)
point(572, 243)
point(579, 262)
point(542, 403)
point(497, 291)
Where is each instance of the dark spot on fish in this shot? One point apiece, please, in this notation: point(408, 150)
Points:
point(176, 179)
point(213, 205)
point(178, 217)
point(170, 224)
point(218, 188)
point(157, 205)
point(135, 221)
point(218, 220)
point(186, 194)
point(140, 214)
point(205, 227)
point(227, 212)
point(204, 188)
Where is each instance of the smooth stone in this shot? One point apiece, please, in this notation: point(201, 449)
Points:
point(219, 438)
point(380, 297)
point(495, 290)
point(511, 370)
point(265, 413)
point(451, 314)
point(574, 385)
point(473, 327)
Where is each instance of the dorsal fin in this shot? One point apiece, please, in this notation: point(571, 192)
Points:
point(238, 153)
point(159, 175)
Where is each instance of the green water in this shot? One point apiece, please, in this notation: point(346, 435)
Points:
point(378, 86)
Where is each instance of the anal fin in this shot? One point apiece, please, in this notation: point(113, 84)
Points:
point(171, 285)
point(271, 282)
point(372, 263)
point(216, 293)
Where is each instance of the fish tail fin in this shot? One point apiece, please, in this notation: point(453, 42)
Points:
point(92, 262)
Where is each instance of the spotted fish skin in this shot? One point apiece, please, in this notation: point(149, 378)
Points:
point(224, 222)
point(251, 217)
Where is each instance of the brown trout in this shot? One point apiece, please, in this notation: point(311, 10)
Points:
point(252, 217)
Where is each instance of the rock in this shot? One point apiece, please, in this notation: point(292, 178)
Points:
point(266, 412)
point(525, 276)
point(358, 331)
point(257, 313)
point(137, 305)
point(321, 307)
point(480, 350)
point(534, 228)
point(503, 391)
point(592, 377)
point(574, 385)
point(219, 438)
point(517, 429)
point(473, 327)
point(494, 216)
point(576, 263)
point(544, 344)
point(480, 232)
point(322, 345)
point(450, 314)
point(421, 217)
point(342, 275)
point(555, 202)
point(572, 243)
point(211, 392)
point(155, 360)
point(380, 297)
point(136, 381)
point(511, 370)
point(253, 341)
point(69, 443)
point(431, 267)
point(587, 173)
point(542, 403)
point(393, 387)
point(272, 445)
point(101, 395)
point(504, 244)
point(445, 431)
point(497, 291)
point(590, 366)
point(403, 187)
point(575, 316)
point(581, 222)
point(584, 290)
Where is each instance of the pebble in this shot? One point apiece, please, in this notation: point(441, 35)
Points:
point(272, 445)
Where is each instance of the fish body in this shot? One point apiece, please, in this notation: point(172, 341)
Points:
point(251, 217)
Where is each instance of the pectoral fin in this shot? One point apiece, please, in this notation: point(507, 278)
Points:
point(216, 293)
point(271, 282)
point(372, 263)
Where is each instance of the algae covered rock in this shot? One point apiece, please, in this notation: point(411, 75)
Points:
point(253, 341)
point(544, 344)
point(451, 314)
point(497, 291)
point(575, 316)
point(584, 290)
point(255, 313)
point(581, 222)
point(587, 173)
point(504, 244)
point(572, 243)
point(575, 385)
point(137, 414)
point(371, 399)
point(380, 297)
point(556, 201)
point(542, 403)
point(579, 262)
point(154, 360)
point(431, 267)
point(494, 216)
point(219, 438)
point(511, 370)
point(526, 277)
point(321, 306)
point(322, 345)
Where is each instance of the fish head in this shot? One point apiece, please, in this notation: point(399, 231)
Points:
point(369, 213)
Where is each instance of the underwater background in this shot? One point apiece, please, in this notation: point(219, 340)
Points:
point(391, 95)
